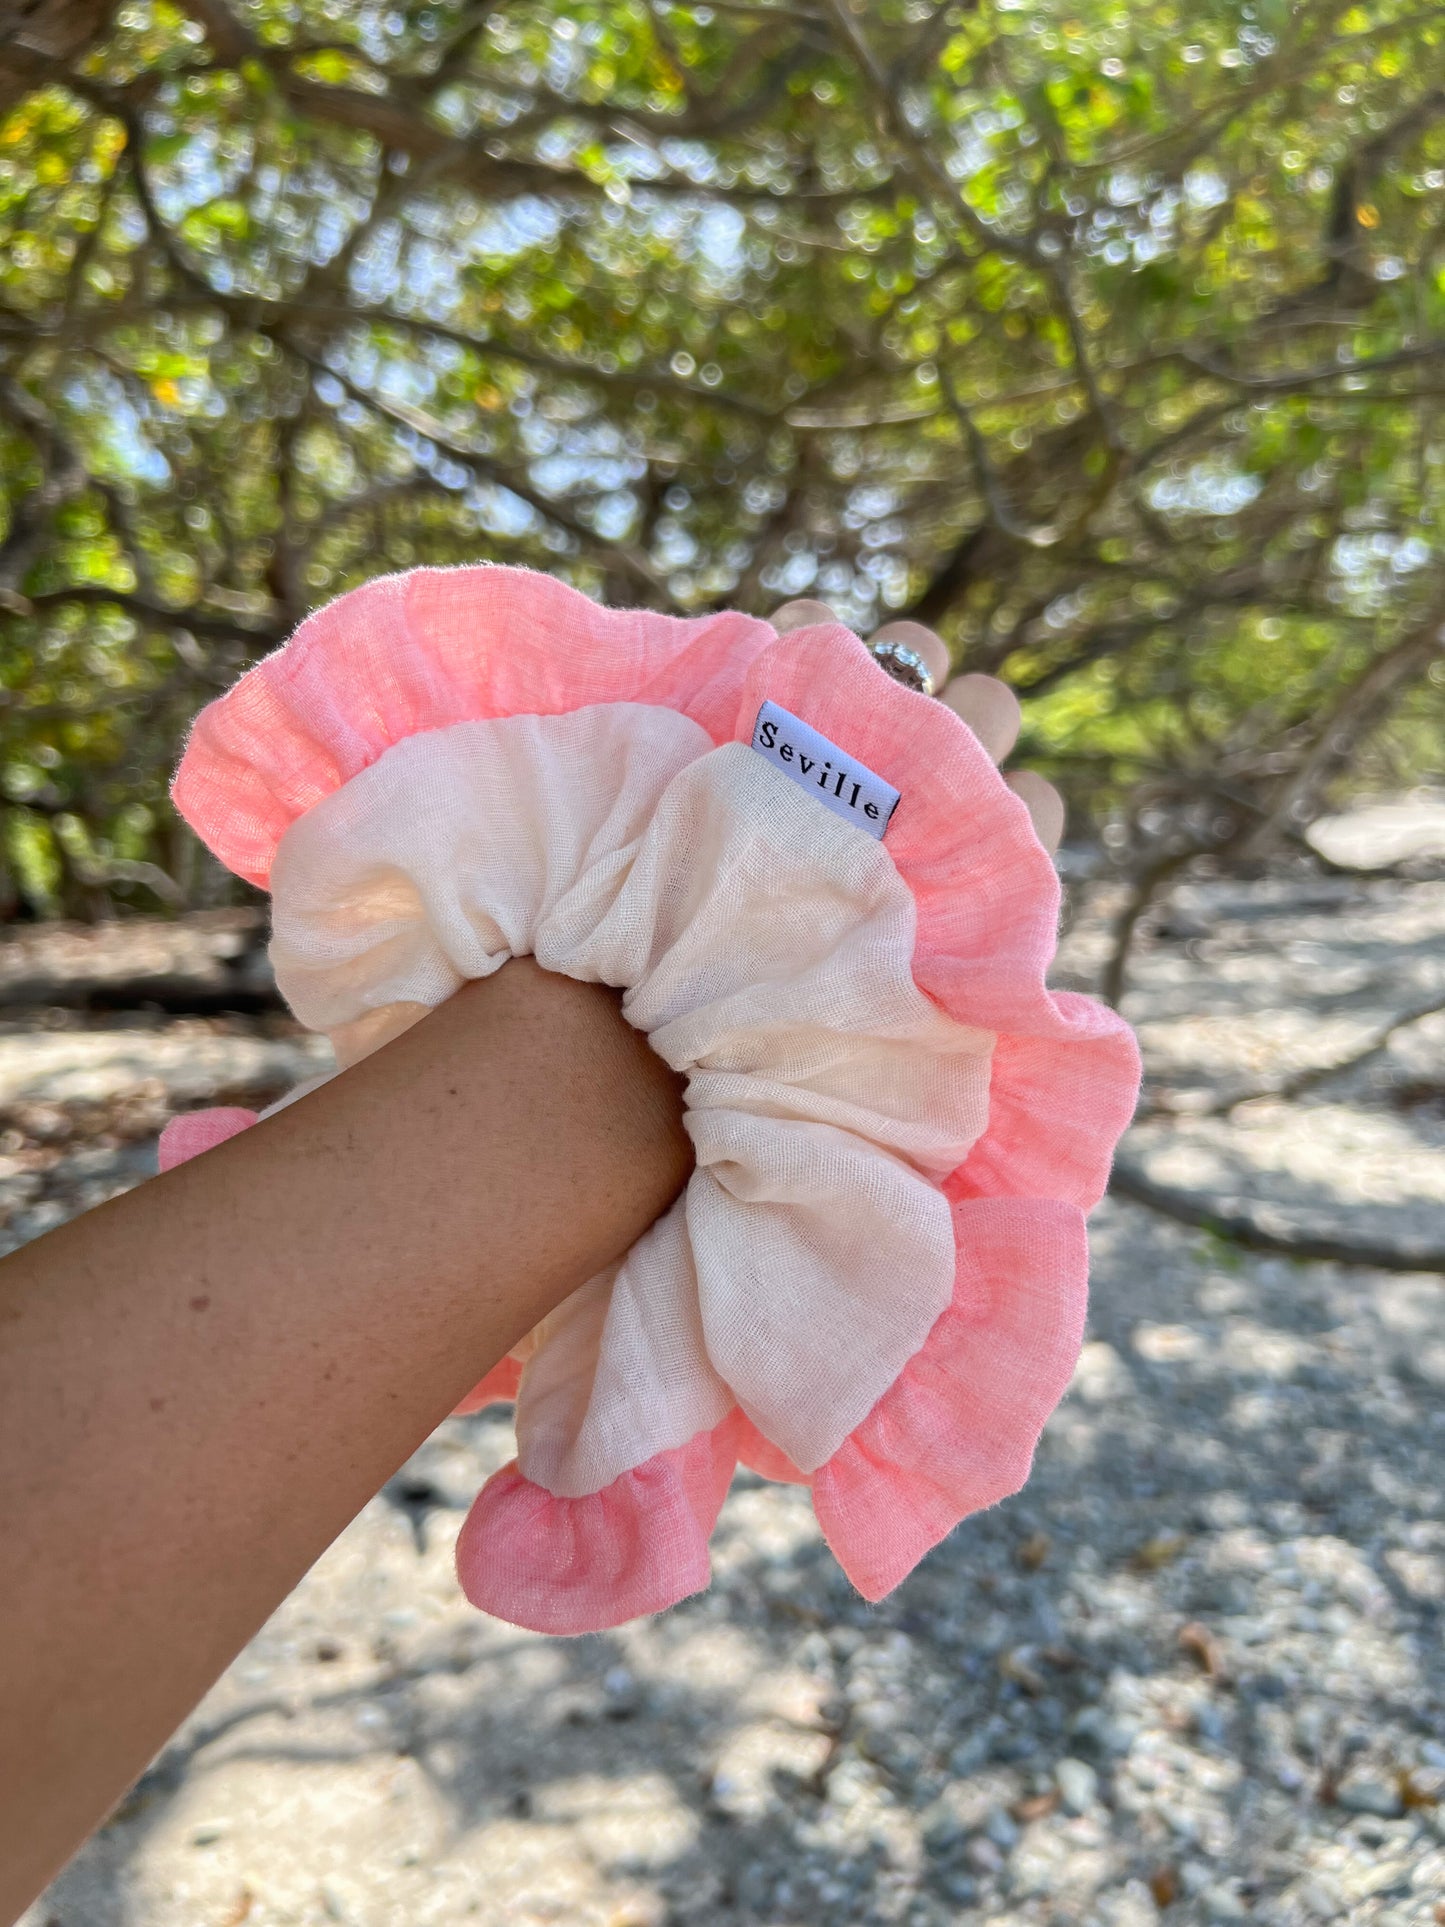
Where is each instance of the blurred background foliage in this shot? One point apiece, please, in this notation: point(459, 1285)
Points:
point(1108, 339)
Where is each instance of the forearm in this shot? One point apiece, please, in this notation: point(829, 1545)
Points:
point(205, 1379)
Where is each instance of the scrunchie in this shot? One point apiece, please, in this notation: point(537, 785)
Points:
point(827, 911)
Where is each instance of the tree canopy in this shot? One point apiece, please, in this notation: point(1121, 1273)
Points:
point(1108, 339)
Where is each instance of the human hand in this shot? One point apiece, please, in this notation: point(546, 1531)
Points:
point(988, 706)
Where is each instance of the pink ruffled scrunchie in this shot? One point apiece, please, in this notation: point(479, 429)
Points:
point(875, 1281)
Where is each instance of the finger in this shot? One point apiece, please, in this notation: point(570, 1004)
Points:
point(923, 642)
point(990, 708)
point(1043, 803)
point(800, 614)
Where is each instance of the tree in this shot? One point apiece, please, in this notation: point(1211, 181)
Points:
point(1110, 340)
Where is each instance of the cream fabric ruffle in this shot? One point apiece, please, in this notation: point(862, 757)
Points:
point(766, 949)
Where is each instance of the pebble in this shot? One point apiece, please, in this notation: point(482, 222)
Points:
point(1370, 1796)
point(1078, 1785)
point(1002, 1830)
point(1209, 1723)
point(1221, 1904)
point(1102, 1733)
point(943, 1830)
point(970, 1756)
point(960, 1887)
point(336, 1904)
point(1320, 1899)
point(983, 1856)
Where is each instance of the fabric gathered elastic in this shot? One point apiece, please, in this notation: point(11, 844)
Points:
point(874, 1282)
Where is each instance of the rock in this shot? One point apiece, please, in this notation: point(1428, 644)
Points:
point(1002, 1829)
point(1370, 1796)
point(1320, 1899)
point(1012, 1747)
point(983, 1856)
point(1220, 1904)
point(1381, 1879)
point(1101, 1375)
point(1078, 1785)
point(337, 1904)
point(755, 1883)
point(898, 1753)
point(943, 1829)
point(970, 1754)
point(1102, 1733)
point(1209, 1723)
point(1131, 1906)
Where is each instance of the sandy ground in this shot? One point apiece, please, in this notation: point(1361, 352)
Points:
point(1194, 1673)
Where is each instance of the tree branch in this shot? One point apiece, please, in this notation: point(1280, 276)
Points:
point(1257, 1233)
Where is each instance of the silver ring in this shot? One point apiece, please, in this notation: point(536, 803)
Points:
point(904, 665)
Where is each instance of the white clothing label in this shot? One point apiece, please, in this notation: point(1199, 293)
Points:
point(840, 783)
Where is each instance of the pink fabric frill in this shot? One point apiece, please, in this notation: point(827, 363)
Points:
point(957, 1429)
point(192, 1132)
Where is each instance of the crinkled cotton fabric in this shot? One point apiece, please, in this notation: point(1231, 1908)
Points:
point(874, 1282)
point(765, 948)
